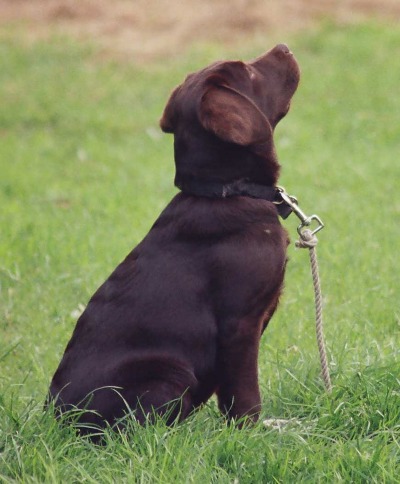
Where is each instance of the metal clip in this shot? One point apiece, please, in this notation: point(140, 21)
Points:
point(306, 221)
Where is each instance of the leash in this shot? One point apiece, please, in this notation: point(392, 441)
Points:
point(308, 240)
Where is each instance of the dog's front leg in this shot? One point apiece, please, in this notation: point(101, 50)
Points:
point(238, 392)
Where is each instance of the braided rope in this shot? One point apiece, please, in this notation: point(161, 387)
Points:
point(309, 241)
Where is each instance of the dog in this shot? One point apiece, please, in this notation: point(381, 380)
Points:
point(181, 318)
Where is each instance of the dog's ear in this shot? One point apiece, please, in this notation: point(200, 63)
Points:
point(233, 117)
point(169, 117)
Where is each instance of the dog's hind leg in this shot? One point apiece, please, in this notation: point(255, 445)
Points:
point(157, 386)
point(160, 399)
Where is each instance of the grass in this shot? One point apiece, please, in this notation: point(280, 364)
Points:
point(85, 172)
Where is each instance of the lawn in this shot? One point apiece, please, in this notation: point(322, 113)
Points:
point(85, 171)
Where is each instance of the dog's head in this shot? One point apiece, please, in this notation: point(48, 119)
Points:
point(223, 117)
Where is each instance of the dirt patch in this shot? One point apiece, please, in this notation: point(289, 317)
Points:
point(145, 30)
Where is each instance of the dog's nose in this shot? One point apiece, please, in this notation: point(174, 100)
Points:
point(282, 49)
point(280, 53)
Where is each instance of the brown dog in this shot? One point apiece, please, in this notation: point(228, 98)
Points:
point(181, 317)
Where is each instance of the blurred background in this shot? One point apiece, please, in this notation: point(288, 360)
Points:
point(142, 30)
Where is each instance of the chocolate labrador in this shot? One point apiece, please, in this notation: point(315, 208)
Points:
point(181, 317)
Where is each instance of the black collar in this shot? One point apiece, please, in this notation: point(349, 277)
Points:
point(237, 188)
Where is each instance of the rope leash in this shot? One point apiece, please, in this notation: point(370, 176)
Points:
point(308, 240)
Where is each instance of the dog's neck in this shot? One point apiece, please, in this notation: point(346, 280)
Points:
point(207, 160)
point(206, 167)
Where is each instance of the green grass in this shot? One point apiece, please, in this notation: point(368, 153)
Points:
point(85, 172)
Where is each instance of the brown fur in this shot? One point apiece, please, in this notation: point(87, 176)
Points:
point(181, 317)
